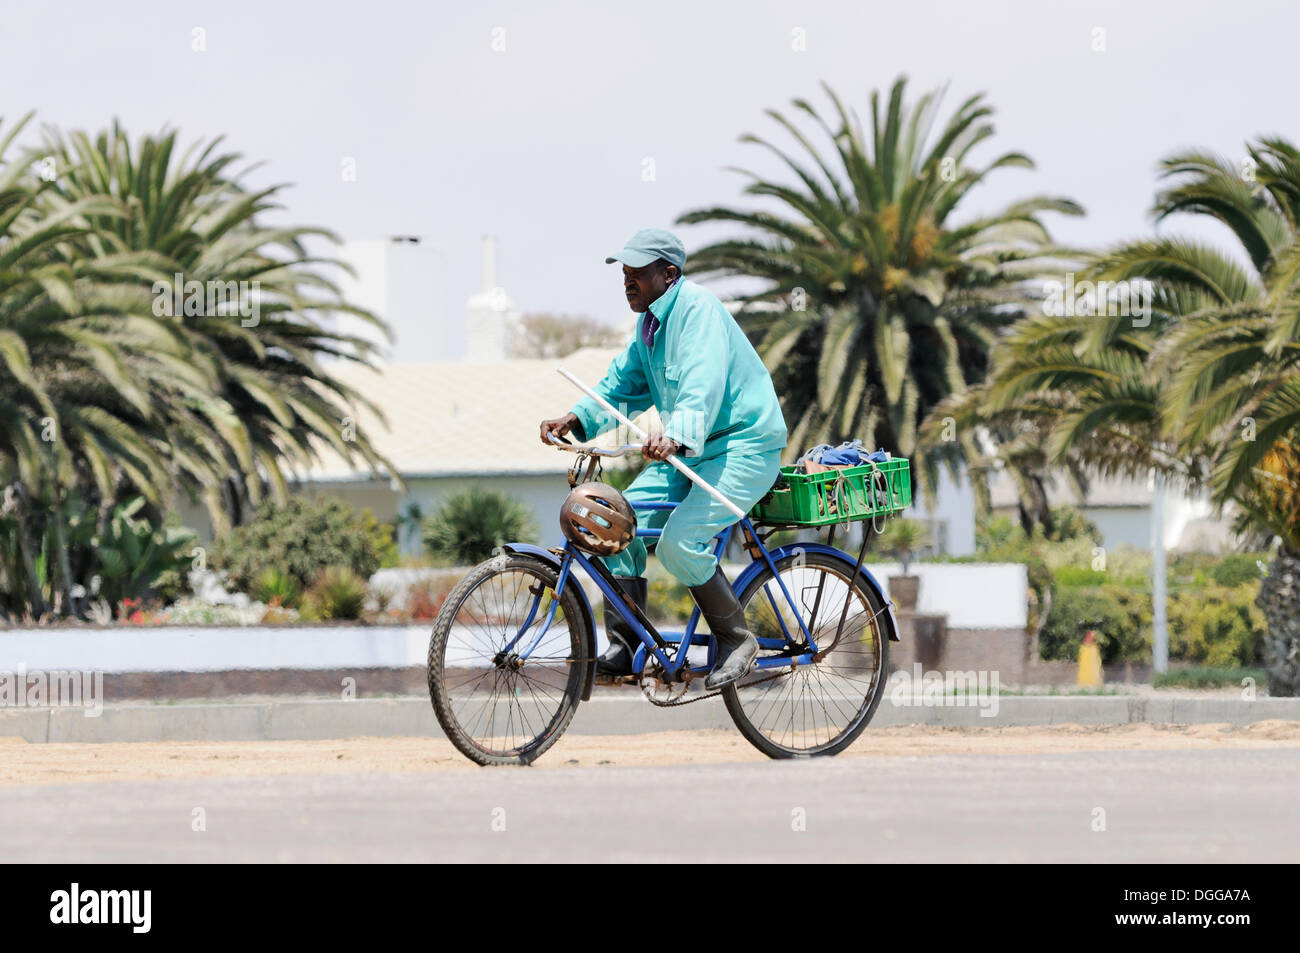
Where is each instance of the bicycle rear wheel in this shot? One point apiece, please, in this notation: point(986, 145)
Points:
point(817, 709)
point(496, 706)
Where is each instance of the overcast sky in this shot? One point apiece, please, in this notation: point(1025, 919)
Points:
point(543, 143)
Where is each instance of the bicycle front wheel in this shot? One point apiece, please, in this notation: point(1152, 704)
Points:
point(821, 708)
point(500, 698)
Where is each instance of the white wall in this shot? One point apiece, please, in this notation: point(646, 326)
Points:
point(182, 649)
point(973, 595)
point(1121, 525)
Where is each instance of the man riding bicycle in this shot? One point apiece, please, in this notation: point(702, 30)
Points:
point(691, 361)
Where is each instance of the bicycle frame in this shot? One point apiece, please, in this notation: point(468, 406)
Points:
point(800, 646)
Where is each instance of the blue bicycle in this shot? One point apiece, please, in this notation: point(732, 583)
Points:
point(513, 650)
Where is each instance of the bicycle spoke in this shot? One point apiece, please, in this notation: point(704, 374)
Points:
point(811, 707)
point(505, 703)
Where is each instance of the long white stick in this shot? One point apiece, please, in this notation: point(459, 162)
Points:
point(672, 458)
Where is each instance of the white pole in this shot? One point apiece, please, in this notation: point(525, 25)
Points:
point(1159, 578)
point(672, 458)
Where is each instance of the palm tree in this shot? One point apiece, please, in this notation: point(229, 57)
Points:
point(66, 384)
point(104, 396)
point(1207, 394)
point(261, 402)
point(890, 305)
point(1233, 370)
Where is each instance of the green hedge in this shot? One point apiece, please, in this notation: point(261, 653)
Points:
point(1211, 625)
point(301, 539)
point(1217, 626)
point(1124, 633)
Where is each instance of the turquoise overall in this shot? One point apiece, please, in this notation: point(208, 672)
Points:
point(716, 399)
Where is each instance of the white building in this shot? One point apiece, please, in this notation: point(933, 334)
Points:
point(457, 424)
point(1122, 511)
point(403, 280)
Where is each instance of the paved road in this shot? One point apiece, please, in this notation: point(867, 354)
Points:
point(1158, 806)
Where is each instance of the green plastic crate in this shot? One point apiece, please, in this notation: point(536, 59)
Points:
point(837, 495)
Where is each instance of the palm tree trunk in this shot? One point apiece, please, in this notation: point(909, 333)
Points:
point(69, 606)
point(234, 501)
point(1279, 598)
point(1044, 514)
point(34, 597)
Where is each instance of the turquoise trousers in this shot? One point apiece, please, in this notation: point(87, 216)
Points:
point(686, 547)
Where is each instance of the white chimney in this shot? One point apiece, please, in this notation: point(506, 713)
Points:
point(490, 315)
point(489, 264)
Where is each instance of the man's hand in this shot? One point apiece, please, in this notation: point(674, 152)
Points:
point(659, 447)
point(559, 426)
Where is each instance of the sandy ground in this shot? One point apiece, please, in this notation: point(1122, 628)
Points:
point(23, 764)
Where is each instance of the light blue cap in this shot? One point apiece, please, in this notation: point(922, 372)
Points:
point(649, 245)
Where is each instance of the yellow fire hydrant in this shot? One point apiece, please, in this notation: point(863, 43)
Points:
point(1090, 674)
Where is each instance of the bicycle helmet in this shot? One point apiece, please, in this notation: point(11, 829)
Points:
point(597, 519)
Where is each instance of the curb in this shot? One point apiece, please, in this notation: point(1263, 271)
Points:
point(609, 715)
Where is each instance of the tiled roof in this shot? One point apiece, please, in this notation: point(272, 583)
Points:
point(464, 419)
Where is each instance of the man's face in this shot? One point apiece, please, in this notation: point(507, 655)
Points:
point(644, 285)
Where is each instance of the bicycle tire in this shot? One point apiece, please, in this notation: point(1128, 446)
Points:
point(441, 694)
point(875, 616)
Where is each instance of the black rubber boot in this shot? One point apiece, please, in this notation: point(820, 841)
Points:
point(623, 642)
point(737, 646)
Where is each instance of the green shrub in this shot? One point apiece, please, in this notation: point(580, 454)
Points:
point(1236, 569)
point(138, 560)
point(469, 525)
point(383, 537)
point(1123, 614)
point(276, 587)
point(996, 532)
point(300, 539)
point(1079, 576)
point(1216, 625)
point(338, 593)
point(1070, 523)
point(1205, 677)
point(1072, 562)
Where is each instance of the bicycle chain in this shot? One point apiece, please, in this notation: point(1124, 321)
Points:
point(641, 683)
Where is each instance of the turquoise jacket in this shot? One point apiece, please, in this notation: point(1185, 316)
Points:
point(709, 385)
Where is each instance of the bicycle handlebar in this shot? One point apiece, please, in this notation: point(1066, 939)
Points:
point(681, 468)
point(561, 444)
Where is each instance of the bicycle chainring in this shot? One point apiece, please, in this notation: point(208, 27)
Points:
point(657, 690)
